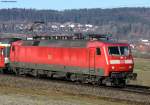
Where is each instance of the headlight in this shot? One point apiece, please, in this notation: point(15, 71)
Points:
point(113, 67)
point(130, 67)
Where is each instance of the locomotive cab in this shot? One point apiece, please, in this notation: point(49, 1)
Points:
point(113, 62)
point(120, 58)
point(120, 63)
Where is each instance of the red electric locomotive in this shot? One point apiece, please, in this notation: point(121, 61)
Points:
point(93, 61)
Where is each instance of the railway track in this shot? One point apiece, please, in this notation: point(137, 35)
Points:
point(131, 94)
point(129, 88)
point(133, 89)
point(138, 89)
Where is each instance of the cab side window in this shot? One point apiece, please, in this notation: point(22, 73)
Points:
point(98, 51)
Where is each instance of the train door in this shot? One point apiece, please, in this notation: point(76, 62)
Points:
point(92, 61)
point(12, 53)
point(2, 61)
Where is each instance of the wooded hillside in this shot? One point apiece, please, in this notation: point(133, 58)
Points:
point(124, 22)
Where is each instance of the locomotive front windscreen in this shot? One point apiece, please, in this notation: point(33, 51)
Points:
point(118, 50)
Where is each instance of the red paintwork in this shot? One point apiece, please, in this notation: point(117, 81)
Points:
point(2, 64)
point(78, 57)
point(105, 58)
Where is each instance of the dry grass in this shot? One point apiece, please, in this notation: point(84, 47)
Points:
point(26, 96)
point(23, 91)
point(142, 64)
point(142, 68)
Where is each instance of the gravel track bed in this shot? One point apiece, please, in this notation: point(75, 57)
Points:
point(46, 86)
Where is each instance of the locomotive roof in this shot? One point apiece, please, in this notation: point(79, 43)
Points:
point(8, 40)
point(65, 43)
point(56, 43)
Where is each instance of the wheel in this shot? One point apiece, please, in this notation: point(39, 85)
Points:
point(68, 75)
point(100, 82)
point(73, 77)
point(119, 82)
point(122, 83)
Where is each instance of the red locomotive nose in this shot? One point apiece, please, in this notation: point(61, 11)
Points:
point(120, 58)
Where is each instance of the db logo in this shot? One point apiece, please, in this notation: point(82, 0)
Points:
point(49, 56)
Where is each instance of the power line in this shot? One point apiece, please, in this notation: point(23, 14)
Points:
point(8, 1)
